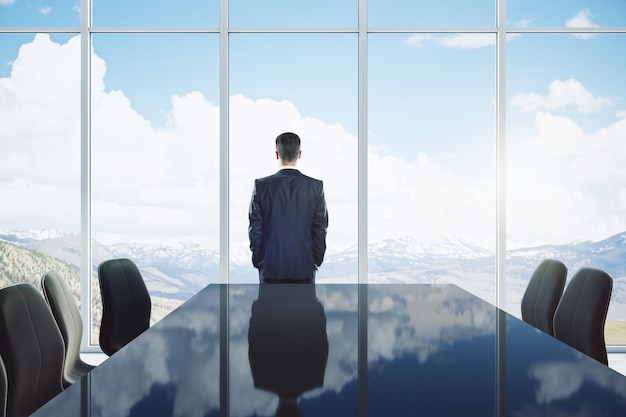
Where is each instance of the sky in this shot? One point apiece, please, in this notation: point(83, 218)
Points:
point(431, 121)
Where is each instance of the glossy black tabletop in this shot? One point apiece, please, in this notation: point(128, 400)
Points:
point(343, 350)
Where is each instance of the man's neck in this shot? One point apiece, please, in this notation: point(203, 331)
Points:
point(288, 164)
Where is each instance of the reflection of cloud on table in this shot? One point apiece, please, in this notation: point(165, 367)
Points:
point(340, 303)
point(560, 380)
point(195, 338)
point(443, 314)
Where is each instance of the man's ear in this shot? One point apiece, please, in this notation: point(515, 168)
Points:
point(277, 157)
point(299, 154)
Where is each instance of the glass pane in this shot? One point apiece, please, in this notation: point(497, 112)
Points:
point(566, 151)
point(566, 13)
point(425, 13)
point(40, 159)
point(159, 13)
point(431, 160)
point(52, 13)
point(306, 84)
point(293, 14)
point(155, 161)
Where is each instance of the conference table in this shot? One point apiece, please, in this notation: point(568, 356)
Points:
point(245, 350)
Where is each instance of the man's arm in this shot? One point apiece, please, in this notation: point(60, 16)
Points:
point(319, 227)
point(255, 228)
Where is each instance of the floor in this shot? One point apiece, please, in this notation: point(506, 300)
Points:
point(617, 361)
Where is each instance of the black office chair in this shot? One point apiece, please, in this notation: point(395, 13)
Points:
point(543, 293)
point(3, 389)
point(66, 313)
point(31, 347)
point(581, 314)
point(126, 304)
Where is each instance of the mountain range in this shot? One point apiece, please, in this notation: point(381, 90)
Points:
point(177, 269)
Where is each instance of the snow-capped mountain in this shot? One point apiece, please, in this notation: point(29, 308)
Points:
point(30, 235)
point(177, 269)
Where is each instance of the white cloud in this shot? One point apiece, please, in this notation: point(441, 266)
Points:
point(468, 40)
point(565, 183)
point(45, 10)
point(563, 93)
point(419, 40)
point(6, 2)
point(160, 183)
point(582, 20)
point(462, 41)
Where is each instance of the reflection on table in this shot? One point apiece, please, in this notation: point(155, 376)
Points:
point(287, 343)
point(432, 350)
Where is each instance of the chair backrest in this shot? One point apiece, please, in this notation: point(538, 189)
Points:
point(126, 304)
point(543, 293)
point(66, 313)
point(31, 347)
point(581, 314)
point(3, 389)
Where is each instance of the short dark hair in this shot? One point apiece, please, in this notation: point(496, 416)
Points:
point(288, 146)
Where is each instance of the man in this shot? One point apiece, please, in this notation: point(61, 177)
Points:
point(288, 219)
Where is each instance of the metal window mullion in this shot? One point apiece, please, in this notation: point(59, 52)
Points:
point(85, 174)
point(224, 374)
point(501, 154)
point(362, 212)
point(224, 142)
point(362, 143)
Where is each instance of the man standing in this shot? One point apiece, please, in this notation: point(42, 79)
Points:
point(288, 219)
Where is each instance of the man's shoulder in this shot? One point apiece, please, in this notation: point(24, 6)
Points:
point(293, 173)
point(311, 179)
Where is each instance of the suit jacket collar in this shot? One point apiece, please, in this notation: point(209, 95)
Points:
point(289, 171)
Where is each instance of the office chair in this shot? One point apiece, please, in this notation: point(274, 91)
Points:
point(31, 347)
point(3, 389)
point(126, 304)
point(581, 314)
point(65, 311)
point(543, 293)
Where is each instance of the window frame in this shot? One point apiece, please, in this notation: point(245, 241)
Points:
point(500, 30)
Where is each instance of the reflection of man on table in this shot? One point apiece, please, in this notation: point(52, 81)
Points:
point(287, 343)
point(288, 219)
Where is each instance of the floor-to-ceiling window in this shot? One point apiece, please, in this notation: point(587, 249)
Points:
point(39, 157)
point(304, 83)
point(114, 140)
point(566, 145)
point(431, 159)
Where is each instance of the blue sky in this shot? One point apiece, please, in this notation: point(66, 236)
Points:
point(431, 106)
point(307, 13)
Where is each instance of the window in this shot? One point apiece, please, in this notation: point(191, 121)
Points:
point(431, 160)
point(305, 83)
point(565, 156)
point(40, 159)
point(143, 138)
point(155, 161)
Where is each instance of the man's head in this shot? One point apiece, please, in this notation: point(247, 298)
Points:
point(288, 148)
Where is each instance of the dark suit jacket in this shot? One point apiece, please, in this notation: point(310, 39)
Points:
point(288, 222)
